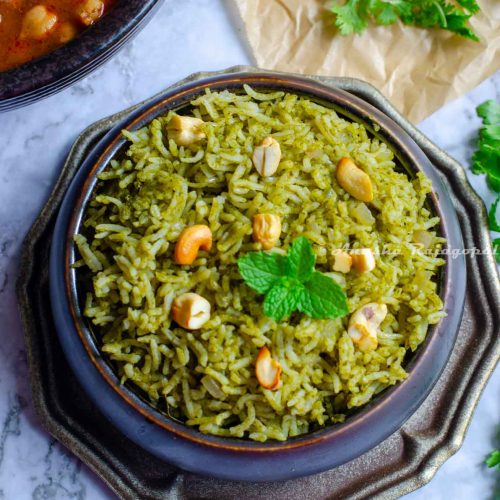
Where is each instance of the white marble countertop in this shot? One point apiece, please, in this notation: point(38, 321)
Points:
point(184, 37)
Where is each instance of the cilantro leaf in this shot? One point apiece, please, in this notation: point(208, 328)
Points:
point(487, 157)
point(470, 5)
point(323, 298)
point(493, 179)
point(353, 16)
point(487, 160)
point(496, 249)
point(457, 23)
point(490, 134)
point(282, 299)
point(261, 271)
point(489, 111)
point(386, 14)
point(301, 259)
point(348, 19)
point(493, 459)
point(492, 216)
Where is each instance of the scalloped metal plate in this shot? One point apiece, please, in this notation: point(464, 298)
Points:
point(403, 462)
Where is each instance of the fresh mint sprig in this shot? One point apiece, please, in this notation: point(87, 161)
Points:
point(291, 283)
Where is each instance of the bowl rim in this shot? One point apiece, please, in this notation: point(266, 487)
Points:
point(51, 72)
point(437, 346)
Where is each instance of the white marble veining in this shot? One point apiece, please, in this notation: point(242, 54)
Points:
point(184, 37)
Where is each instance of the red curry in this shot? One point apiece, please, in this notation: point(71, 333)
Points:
point(31, 28)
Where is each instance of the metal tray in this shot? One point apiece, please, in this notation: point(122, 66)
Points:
point(403, 462)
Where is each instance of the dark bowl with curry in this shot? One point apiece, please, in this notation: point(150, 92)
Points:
point(46, 46)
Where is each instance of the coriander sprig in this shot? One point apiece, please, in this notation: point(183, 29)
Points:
point(487, 160)
point(493, 459)
point(353, 16)
point(291, 283)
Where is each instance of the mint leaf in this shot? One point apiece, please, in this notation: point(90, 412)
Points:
point(493, 459)
point(282, 299)
point(291, 283)
point(301, 259)
point(261, 271)
point(492, 216)
point(323, 298)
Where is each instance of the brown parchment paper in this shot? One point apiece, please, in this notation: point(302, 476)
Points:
point(417, 69)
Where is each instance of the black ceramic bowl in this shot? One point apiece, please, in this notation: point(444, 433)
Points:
point(241, 459)
point(53, 72)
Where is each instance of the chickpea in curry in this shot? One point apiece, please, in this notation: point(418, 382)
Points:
point(32, 28)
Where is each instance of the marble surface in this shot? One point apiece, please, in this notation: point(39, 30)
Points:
point(184, 37)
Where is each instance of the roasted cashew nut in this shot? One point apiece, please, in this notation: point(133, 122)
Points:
point(268, 370)
point(191, 240)
point(185, 130)
point(266, 230)
point(267, 156)
point(353, 180)
point(364, 324)
point(190, 311)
